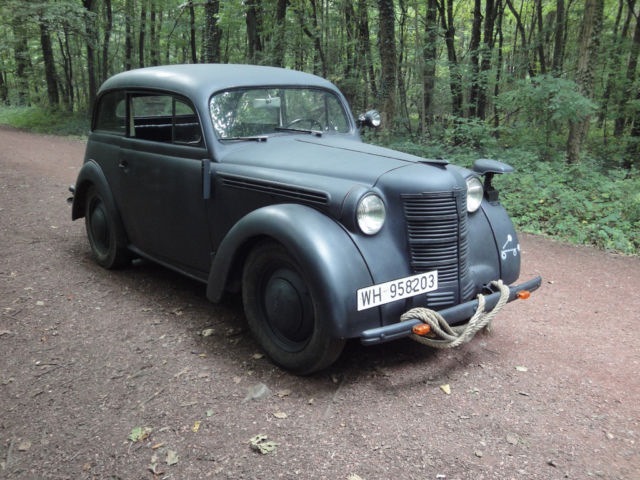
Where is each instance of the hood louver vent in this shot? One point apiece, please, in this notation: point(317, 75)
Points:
point(278, 190)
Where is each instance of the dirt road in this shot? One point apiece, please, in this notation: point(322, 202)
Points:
point(87, 356)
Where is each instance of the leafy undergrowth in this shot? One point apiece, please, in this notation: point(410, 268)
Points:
point(579, 203)
point(39, 120)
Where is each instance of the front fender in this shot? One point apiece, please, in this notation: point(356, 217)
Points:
point(328, 256)
point(498, 254)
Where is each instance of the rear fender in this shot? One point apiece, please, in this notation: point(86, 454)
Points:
point(91, 174)
point(329, 258)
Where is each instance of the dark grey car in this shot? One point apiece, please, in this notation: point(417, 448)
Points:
point(255, 180)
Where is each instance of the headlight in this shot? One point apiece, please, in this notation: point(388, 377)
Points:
point(475, 192)
point(370, 214)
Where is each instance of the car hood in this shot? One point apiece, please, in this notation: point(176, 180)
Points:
point(335, 158)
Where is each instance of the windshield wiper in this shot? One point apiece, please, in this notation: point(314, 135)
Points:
point(253, 138)
point(317, 133)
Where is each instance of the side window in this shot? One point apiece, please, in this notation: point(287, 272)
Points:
point(164, 118)
point(112, 113)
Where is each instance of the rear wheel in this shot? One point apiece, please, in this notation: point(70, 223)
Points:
point(104, 232)
point(282, 312)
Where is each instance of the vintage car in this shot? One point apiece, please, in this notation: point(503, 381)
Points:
point(255, 180)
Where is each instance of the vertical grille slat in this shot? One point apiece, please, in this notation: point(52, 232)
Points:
point(437, 231)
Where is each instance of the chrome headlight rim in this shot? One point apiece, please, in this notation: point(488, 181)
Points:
point(371, 213)
point(475, 193)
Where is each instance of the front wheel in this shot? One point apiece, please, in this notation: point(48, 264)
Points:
point(103, 232)
point(282, 312)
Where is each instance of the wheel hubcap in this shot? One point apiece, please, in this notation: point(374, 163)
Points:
point(99, 227)
point(288, 306)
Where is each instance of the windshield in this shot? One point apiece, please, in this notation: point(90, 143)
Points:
point(252, 113)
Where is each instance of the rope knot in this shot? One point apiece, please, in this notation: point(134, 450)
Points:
point(448, 336)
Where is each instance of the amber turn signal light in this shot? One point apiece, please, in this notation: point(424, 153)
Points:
point(421, 329)
point(523, 294)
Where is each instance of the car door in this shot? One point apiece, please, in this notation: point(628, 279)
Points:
point(160, 163)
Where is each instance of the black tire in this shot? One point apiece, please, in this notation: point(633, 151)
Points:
point(104, 232)
point(282, 312)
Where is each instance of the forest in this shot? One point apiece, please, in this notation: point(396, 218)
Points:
point(550, 86)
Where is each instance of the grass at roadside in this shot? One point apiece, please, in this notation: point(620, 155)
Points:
point(36, 119)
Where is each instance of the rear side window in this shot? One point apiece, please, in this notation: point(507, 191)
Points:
point(112, 113)
point(164, 118)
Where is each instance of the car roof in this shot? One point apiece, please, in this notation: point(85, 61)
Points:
point(202, 79)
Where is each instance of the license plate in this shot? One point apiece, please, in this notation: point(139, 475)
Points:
point(388, 292)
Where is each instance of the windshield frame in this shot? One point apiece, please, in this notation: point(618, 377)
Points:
point(338, 122)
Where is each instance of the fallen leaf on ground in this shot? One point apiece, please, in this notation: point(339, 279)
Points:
point(261, 444)
point(24, 446)
point(138, 434)
point(172, 457)
point(257, 392)
point(257, 356)
point(446, 388)
point(283, 393)
point(196, 426)
point(280, 415)
point(522, 369)
point(207, 332)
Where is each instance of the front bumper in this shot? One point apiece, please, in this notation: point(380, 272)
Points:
point(453, 315)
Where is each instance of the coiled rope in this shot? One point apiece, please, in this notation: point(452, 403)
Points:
point(447, 336)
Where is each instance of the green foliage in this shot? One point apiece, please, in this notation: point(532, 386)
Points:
point(578, 203)
point(40, 120)
point(537, 112)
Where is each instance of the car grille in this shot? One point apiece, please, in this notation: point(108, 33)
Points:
point(437, 230)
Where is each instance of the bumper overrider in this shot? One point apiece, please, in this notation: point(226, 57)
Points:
point(453, 315)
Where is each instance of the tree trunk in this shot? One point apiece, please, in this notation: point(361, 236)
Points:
point(365, 48)
point(587, 58)
point(49, 66)
point(153, 36)
point(455, 77)
point(142, 33)
point(521, 32)
point(106, 39)
point(559, 40)
point(91, 61)
point(491, 12)
point(633, 147)
point(68, 97)
point(627, 91)
point(212, 32)
point(430, 58)
point(542, 59)
point(192, 33)
point(4, 92)
point(253, 21)
point(280, 34)
point(388, 61)
point(128, 34)
point(22, 61)
point(474, 46)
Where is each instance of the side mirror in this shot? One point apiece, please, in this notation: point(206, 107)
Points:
point(371, 119)
point(489, 168)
